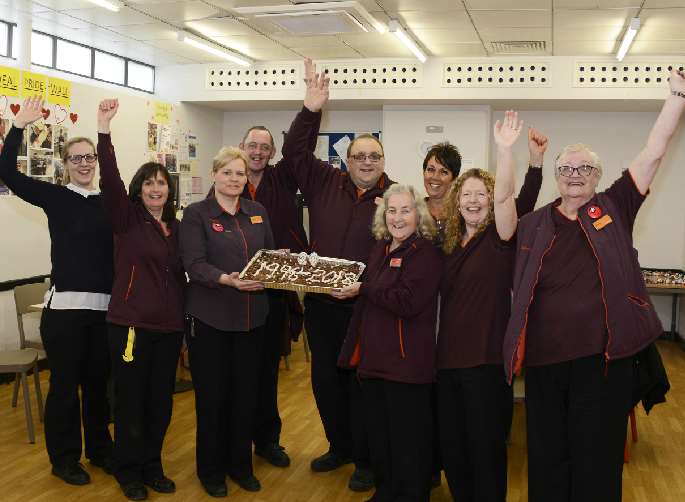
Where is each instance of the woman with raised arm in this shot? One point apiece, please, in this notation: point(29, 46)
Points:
point(474, 400)
point(145, 313)
point(580, 312)
point(219, 236)
point(72, 326)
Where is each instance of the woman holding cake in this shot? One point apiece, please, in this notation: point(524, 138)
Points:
point(580, 311)
point(391, 342)
point(219, 235)
point(474, 400)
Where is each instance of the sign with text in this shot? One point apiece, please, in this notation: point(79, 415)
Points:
point(162, 112)
point(9, 81)
point(33, 84)
point(59, 91)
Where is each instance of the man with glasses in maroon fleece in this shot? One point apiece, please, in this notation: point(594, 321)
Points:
point(341, 208)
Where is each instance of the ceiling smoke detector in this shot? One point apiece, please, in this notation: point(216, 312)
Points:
point(519, 46)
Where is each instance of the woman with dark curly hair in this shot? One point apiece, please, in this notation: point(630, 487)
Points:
point(145, 313)
point(474, 400)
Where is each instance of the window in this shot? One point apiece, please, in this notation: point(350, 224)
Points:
point(59, 54)
point(73, 58)
point(110, 68)
point(141, 76)
point(41, 49)
point(4, 39)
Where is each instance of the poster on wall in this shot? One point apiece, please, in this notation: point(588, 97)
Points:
point(23, 166)
point(184, 167)
point(40, 163)
point(61, 135)
point(192, 146)
point(152, 136)
point(170, 162)
point(58, 171)
point(40, 136)
point(164, 139)
point(186, 191)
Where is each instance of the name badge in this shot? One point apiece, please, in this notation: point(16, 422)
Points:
point(256, 219)
point(395, 262)
point(217, 227)
point(602, 222)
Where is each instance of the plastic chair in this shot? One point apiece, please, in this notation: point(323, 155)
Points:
point(633, 434)
point(25, 296)
point(20, 362)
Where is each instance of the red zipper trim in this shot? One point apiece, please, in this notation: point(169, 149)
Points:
point(399, 327)
point(518, 355)
point(237, 224)
point(601, 282)
point(130, 283)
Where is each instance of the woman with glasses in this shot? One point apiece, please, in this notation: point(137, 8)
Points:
point(580, 311)
point(145, 313)
point(474, 402)
point(72, 327)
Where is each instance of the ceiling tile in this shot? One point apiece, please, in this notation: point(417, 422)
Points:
point(57, 18)
point(453, 20)
point(220, 27)
point(147, 31)
point(659, 4)
point(508, 4)
point(458, 50)
point(422, 5)
point(277, 53)
point(328, 52)
point(58, 5)
point(103, 17)
point(584, 48)
point(589, 19)
point(505, 19)
point(662, 24)
point(177, 12)
point(245, 43)
point(575, 4)
point(656, 47)
point(606, 33)
point(318, 41)
point(501, 34)
point(431, 37)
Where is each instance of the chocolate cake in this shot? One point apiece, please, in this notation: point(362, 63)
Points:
point(301, 272)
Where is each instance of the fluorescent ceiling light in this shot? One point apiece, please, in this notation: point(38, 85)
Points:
point(628, 37)
point(114, 6)
point(395, 28)
point(184, 36)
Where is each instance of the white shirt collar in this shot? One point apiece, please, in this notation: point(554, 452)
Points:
point(82, 191)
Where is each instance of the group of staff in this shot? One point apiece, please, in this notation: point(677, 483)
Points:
point(411, 367)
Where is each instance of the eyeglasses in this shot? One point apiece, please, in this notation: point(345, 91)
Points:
point(76, 159)
point(361, 157)
point(568, 171)
point(264, 147)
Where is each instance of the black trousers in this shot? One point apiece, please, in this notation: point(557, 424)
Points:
point(473, 418)
point(576, 414)
point(267, 422)
point(143, 390)
point(400, 422)
point(336, 390)
point(225, 369)
point(75, 342)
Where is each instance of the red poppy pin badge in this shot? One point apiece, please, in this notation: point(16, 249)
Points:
point(217, 227)
point(594, 212)
point(395, 262)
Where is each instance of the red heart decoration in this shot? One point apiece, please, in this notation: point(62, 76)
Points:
point(73, 117)
point(15, 108)
point(60, 114)
point(46, 113)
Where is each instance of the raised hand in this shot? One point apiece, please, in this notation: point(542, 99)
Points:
point(508, 131)
point(106, 111)
point(30, 111)
point(677, 81)
point(537, 146)
point(317, 87)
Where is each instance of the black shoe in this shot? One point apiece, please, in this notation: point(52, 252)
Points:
point(161, 484)
point(361, 480)
point(436, 480)
point(215, 489)
point(250, 483)
point(329, 461)
point(134, 491)
point(104, 463)
point(74, 474)
point(274, 454)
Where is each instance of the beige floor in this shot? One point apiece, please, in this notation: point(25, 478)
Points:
point(656, 471)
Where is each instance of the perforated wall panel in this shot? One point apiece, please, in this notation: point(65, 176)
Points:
point(505, 74)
